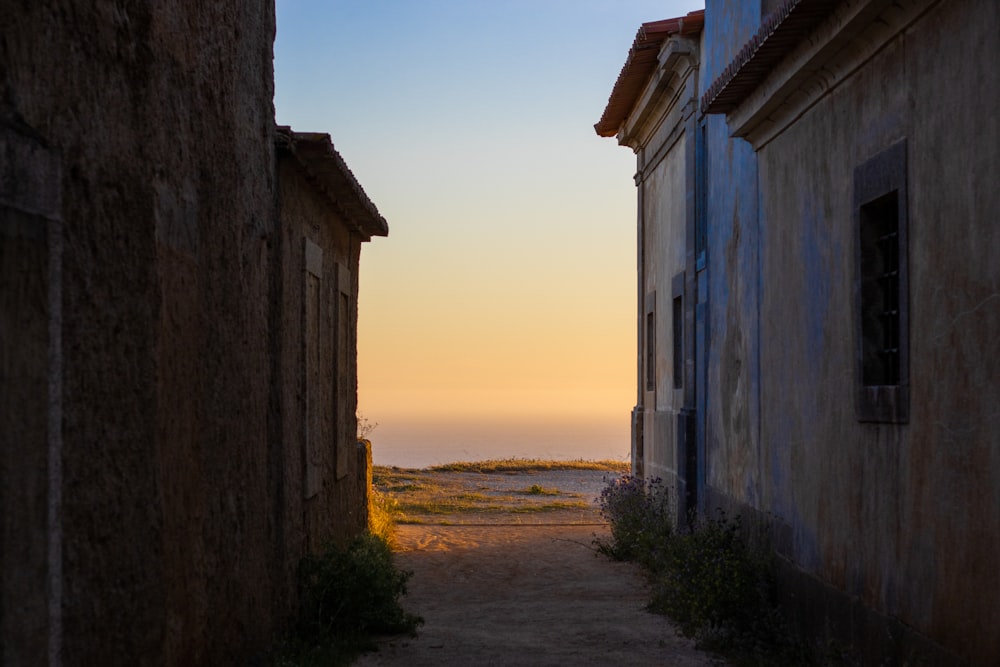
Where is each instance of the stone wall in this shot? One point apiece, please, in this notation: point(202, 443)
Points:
point(138, 200)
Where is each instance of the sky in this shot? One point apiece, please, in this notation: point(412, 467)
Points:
point(502, 303)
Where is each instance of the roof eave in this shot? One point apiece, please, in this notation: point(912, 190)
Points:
point(779, 34)
point(315, 154)
point(639, 66)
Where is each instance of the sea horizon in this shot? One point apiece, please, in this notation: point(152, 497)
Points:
point(425, 442)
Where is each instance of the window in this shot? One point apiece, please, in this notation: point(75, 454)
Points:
point(701, 194)
point(650, 352)
point(678, 326)
point(880, 291)
point(651, 341)
point(881, 287)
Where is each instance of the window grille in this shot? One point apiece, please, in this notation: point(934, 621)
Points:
point(882, 287)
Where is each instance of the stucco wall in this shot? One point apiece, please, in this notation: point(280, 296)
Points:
point(660, 131)
point(666, 226)
point(160, 116)
point(28, 285)
point(900, 517)
point(325, 499)
point(729, 287)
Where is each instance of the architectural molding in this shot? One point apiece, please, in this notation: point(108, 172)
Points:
point(678, 61)
point(854, 32)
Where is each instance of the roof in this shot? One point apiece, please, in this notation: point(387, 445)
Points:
point(780, 32)
point(328, 172)
point(639, 65)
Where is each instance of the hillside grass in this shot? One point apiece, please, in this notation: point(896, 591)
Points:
point(452, 493)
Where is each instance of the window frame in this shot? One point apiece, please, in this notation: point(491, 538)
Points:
point(882, 176)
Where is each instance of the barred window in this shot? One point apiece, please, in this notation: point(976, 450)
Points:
point(881, 287)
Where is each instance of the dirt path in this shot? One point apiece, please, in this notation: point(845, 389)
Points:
point(526, 594)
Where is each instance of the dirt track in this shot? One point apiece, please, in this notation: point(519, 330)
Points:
point(528, 594)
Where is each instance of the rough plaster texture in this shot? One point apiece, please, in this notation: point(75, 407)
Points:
point(887, 531)
point(27, 222)
point(142, 467)
point(162, 130)
point(900, 516)
point(663, 145)
point(324, 499)
point(728, 404)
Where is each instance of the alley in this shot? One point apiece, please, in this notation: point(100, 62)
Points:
point(526, 595)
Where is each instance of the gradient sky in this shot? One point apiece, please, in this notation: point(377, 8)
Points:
point(505, 290)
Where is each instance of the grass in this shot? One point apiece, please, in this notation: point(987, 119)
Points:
point(528, 465)
point(447, 494)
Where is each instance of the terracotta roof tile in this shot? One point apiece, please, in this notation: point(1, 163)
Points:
point(639, 65)
point(327, 170)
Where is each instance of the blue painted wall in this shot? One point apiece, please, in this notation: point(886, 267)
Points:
point(728, 286)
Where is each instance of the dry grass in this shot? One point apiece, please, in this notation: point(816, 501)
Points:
point(484, 491)
point(527, 465)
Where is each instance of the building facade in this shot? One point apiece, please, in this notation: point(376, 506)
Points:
point(845, 378)
point(150, 473)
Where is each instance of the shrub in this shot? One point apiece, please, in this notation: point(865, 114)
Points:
point(639, 515)
point(346, 596)
point(711, 581)
point(709, 577)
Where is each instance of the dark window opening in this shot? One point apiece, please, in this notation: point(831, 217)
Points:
point(880, 330)
point(701, 193)
point(678, 343)
point(882, 288)
point(650, 352)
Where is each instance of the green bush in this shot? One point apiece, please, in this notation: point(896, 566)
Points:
point(639, 515)
point(714, 582)
point(347, 595)
point(711, 581)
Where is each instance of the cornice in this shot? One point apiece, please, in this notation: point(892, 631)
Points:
point(677, 63)
point(854, 32)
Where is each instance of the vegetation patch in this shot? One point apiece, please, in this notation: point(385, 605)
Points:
point(549, 507)
point(486, 491)
point(713, 577)
point(528, 465)
point(347, 595)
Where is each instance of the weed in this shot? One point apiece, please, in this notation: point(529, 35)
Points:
point(714, 582)
point(346, 596)
point(365, 427)
point(382, 511)
point(638, 513)
point(537, 490)
point(709, 579)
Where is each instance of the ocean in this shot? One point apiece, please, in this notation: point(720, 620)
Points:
point(422, 443)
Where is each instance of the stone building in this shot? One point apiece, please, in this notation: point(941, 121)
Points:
point(324, 215)
point(825, 169)
point(153, 331)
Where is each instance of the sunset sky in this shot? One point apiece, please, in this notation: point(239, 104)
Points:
point(503, 301)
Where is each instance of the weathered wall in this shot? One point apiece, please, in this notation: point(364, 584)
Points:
point(666, 222)
point(660, 130)
point(29, 316)
point(323, 472)
point(728, 288)
point(901, 517)
point(160, 118)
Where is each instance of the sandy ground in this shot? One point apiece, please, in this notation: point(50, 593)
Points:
point(515, 593)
